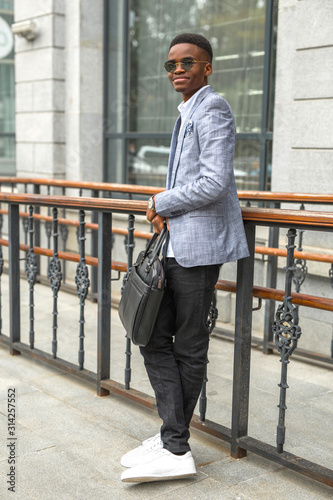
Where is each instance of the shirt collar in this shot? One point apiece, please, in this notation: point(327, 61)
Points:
point(186, 105)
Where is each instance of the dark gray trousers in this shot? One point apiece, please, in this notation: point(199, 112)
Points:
point(176, 355)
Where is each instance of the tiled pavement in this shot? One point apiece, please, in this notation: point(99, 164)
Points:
point(69, 441)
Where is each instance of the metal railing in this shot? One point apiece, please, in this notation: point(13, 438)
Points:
point(286, 330)
point(270, 252)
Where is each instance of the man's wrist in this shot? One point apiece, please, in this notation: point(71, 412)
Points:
point(151, 203)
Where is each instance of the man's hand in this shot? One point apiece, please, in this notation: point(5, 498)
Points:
point(156, 220)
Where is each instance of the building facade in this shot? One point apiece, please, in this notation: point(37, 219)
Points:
point(86, 97)
point(91, 98)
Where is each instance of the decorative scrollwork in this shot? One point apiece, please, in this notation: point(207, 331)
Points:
point(31, 267)
point(54, 274)
point(330, 273)
point(82, 280)
point(286, 330)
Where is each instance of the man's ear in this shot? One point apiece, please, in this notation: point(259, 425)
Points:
point(208, 69)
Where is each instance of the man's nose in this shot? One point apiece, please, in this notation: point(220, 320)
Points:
point(179, 67)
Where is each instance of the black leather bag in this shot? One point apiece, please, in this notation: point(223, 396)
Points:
point(143, 291)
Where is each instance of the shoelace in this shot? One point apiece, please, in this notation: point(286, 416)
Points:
point(153, 441)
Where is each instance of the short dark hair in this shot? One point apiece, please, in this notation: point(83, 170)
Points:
point(194, 39)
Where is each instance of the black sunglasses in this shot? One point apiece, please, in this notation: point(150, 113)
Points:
point(186, 63)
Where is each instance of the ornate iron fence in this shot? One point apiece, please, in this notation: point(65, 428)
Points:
point(286, 329)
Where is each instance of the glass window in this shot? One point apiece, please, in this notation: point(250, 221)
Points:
point(142, 104)
point(247, 164)
point(147, 161)
point(7, 90)
point(237, 35)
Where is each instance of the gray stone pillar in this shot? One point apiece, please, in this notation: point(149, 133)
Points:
point(84, 90)
point(40, 90)
point(303, 113)
point(59, 90)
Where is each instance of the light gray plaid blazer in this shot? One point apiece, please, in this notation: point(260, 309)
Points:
point(201, 201)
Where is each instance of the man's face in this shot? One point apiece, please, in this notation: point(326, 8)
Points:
point(189, 82)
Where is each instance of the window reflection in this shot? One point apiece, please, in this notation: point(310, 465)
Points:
point(141, 101)
point(148, 162)
point(247, 164)
point(237, 33)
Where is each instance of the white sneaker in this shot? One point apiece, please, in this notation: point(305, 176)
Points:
point(141, 454)
point(162, 466)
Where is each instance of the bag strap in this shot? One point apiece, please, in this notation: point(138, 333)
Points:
point(157, 246)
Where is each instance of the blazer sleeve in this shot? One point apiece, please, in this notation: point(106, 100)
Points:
point(215, 129)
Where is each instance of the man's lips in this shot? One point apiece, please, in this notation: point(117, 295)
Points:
point(180, 79)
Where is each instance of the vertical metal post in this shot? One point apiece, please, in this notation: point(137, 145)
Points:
point(55, 276)
point(37, 230)
point(63, 229)
point(82, 286)
point(31, 271)
point(94, 247)
point(48, 226)
point(242, 348)
point(286, 334)
point(271, 280)
point(104, 300)
point(130, 247)
point(25, 222)
point(14, 276)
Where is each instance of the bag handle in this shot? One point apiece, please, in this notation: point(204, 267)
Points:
point(161, 239)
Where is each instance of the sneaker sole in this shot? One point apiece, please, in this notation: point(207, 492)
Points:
point(147, 479)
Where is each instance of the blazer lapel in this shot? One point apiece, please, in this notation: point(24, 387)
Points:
point(175, 153)
point(173, 148)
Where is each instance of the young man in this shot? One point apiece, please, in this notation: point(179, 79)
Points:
point(206, 229)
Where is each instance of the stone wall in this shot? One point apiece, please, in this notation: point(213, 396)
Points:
point(303, 113)
point(59, 88)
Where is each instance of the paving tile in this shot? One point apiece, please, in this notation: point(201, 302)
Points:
point(234, 472)
point(53, 474)
point(209, 489)
point(283, 485)
point(27, 441)
point(71, 440)
point(8, 381)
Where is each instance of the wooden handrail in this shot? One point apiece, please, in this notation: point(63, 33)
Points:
point(300, 299)
point(93, 186)
point(312, 198)
point(286, 197)
point(288, 218)
point(260, 216)
point(280, 252)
